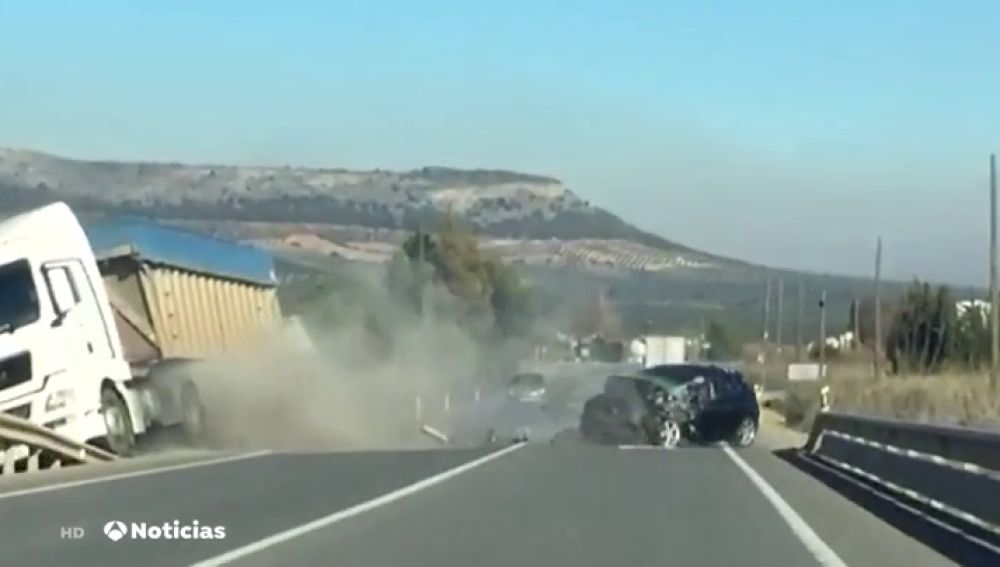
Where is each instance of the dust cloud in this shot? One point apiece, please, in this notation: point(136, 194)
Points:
point(342, 386)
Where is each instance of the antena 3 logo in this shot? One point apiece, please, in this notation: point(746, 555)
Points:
point(116, 530)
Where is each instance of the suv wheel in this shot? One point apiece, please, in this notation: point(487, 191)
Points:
point(746, 433)
point(670, 434)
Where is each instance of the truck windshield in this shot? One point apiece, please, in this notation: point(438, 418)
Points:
point(18, 297)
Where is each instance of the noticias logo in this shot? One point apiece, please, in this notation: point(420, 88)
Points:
point(116, 530)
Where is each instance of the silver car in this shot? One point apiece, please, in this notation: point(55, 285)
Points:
point(527, 387)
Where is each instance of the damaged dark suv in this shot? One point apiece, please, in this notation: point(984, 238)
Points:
point(664, 405)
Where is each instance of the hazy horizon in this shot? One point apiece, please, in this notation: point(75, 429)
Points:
point(773, 132)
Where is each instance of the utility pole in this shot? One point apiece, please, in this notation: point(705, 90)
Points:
point(767, 313)
point(856, 343)
point(420, 271)
point(798, 322)
point(780, 319)
point(702, 338)
point(877, 343)
point(994, 293)
point(765, 335)
point(822, 334)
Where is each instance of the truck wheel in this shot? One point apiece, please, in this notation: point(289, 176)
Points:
point(120, 438)
point(192, 414)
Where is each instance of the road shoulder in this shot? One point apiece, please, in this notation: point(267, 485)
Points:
point(55, 479)
point(858, 536)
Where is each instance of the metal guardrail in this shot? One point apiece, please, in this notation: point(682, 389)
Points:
point(953, 470)
point(27, 447)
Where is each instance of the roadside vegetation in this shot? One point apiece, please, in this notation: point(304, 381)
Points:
point(485, 295)
point(936, 354)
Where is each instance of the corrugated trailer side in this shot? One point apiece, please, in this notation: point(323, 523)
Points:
point(197, 315)
point(181, 295)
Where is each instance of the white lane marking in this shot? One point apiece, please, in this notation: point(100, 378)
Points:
point(816, 546)
point(355, 510)
point(131, 474)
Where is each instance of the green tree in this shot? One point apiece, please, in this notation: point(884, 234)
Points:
point(597, 316)
point(924, 331)
point(488, 292)
point(972, 338)
point(865, 313)
point(511, 301)
point(722, 346)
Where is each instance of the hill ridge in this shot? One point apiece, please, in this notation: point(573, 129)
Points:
point(496, 202)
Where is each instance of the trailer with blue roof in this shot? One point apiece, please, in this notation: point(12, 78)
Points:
point(182, 295)
point(99, 325)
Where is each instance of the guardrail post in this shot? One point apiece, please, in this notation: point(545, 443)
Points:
point(24, 439)
point(436, 434)
point(12, 456)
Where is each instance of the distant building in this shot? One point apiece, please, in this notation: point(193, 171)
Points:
point(961, 307)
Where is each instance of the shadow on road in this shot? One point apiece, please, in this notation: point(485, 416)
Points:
point(946, 535)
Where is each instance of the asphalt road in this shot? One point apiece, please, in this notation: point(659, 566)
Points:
point(544, 504)
point(555, 504)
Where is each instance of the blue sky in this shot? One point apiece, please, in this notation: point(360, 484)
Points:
point(791, 133)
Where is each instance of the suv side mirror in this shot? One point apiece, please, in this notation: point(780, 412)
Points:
point(62, 290)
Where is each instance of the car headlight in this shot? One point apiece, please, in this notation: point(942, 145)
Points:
point(58, 400)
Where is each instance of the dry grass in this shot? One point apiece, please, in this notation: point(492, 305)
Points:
point(951, 397)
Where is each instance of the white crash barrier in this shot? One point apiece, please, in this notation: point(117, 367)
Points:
point(41, 448)
point(438, 407)
point(953, 470)
point(432, 432)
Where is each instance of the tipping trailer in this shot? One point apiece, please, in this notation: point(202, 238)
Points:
point(97, 326)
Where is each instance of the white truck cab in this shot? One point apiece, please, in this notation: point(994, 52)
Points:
point(97, 345)
point(61, 358)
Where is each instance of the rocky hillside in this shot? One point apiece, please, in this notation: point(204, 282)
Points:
point(502, 205)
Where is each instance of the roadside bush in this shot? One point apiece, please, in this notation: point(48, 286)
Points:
point(956, 398)
point(722, 345)
point(802, 404)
